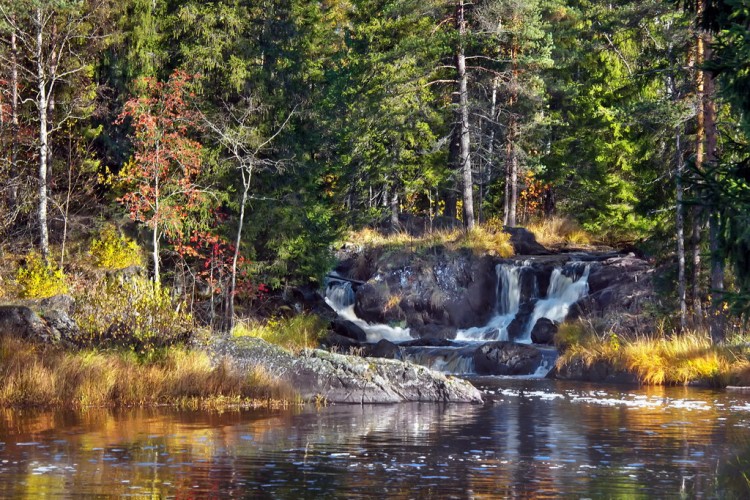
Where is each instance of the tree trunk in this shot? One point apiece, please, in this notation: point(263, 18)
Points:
point(238, 240)
point(155, 234)
point(14, 173)
point(463, 108)
point(680, 226)
point(716, 322)
point(394, 210)
point(512, 177)
point(487, 175)
point(700, 135)
point(42, 103)
point(511, 162)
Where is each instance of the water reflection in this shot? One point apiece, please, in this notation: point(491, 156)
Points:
point(532, 438)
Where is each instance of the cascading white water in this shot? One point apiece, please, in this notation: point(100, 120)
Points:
point(509, 300)
point(340, 296)
point(509, 288)
point(567, 285)
point(563, 292)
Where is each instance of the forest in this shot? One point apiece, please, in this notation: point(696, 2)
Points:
point(236, 141)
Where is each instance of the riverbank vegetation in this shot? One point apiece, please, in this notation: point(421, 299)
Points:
point(658, 358)
point(36, 375)
point(485, 238)
point(191, 166)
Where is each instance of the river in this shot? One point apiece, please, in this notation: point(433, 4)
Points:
point(538, 438)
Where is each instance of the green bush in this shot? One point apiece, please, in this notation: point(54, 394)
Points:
point(112, 250)
point(38, 279)
point(135, 313)
point(297, 332)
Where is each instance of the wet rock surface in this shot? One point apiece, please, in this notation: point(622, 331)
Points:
point(346, 379)
point(506, 358)
point(598, 371)
point(544, 331)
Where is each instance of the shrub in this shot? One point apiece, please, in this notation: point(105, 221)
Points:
point(679, 359)
point(38, 279)
point(135, 313)
point(484, 239)
point(298, 332)
point(559, 231)
point(112, 250)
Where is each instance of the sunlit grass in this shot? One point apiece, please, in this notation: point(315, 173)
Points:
point(559, 231)
point(301, 331)
point(659, 359)
point(484, 238)
point(35, 375)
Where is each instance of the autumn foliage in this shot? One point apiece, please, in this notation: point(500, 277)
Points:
point(160, 179)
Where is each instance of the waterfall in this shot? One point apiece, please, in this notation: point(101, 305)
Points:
point(508, 288)
point(509, 300)
point(456, 361)
point(563, 292)
point(340, 296)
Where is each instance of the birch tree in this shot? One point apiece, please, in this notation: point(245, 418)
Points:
point(50, 43)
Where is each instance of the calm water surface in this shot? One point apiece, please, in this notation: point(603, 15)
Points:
point(531, 439)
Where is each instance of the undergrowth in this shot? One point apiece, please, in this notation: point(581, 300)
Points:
point(484, 238)
point(37, 375)
point(112, 250)
point(559, 231)
point(301, 331)
point(659, 359)
point(37, 279)
point(133, 312)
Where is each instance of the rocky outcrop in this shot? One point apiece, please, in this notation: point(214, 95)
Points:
point(21, 321)
point(524, 242)
point(338, 378)
point(506, 358)
point(435, 294)
point(599, 371)
point(544, 331)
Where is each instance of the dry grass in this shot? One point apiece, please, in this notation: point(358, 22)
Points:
point(559, 231)
point(301, 331)
point(658, 360)
point(35, 375)
point(485, 238)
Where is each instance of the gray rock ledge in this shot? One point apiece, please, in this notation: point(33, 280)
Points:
point(346, 379)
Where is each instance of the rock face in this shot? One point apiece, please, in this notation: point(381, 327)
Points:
point(347, 379)
point(506, 358)
point(524, 242)
point(544, 331)
point(437, 291)
point(597, 372)
point(20, 321)
point(436, 294)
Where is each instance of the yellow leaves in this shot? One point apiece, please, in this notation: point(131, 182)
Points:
point(38, 280)
point(112, 250)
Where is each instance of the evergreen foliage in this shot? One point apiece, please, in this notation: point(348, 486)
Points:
point(584, 109)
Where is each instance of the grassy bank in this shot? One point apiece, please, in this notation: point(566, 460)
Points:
point(37, 375)
point(659, 359)
point(487, 237)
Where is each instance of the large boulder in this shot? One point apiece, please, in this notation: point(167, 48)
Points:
point(543, 331)
point(599, 371)
point(62, 326)
point(435, 293)
point(524, 242)
point(348, 329)
point(506, 358)
point(21, 321)
point(383, 349)
point(619, 288)
point(338, 378)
